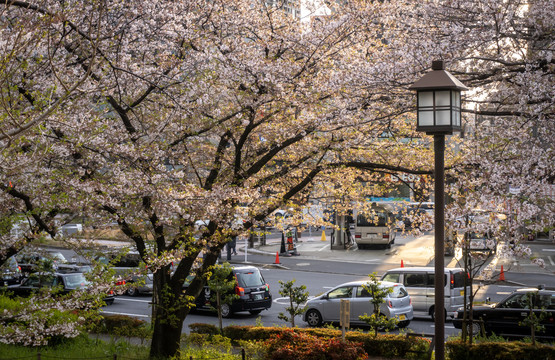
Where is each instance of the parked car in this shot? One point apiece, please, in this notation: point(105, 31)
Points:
point(326, 307)
point(252, 290)
point(10, 272)
point(505, 318)
point(67, 281)
point(39, 260)
point(70, 229)
point(420, 284)
point(128, 268)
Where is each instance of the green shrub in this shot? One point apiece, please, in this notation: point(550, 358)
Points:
point(383, 345)
point(254, 349)
point(458, 350)
point(121, 325)
point(201, 328)
point(292, 345)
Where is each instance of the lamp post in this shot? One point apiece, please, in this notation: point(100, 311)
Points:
point(439, 114)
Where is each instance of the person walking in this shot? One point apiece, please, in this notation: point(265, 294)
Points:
point(233, 243)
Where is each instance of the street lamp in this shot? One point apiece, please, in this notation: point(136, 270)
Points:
point(439, 114)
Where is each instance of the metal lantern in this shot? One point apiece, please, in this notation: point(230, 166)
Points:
point(439, 101)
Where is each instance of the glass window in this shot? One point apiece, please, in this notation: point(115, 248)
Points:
point(443, 117)
point(443, 98)
point(425, 118)
point(415, 279)
point(342, 292)
point(458, 279)
point(432, 280)
point(391, 277)
point(517, 301)
point(425, 98)
point(249, 279)
point(362, 292)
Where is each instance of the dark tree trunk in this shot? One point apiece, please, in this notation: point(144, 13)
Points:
point(171, 305)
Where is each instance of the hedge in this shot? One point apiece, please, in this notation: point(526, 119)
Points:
point(491, 350)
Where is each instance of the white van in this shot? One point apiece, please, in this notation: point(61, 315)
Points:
point(375, 226)
point(419, 282)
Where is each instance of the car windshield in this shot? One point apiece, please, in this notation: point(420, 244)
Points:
point(375, 217)
point(75, 281)
point(249, 279)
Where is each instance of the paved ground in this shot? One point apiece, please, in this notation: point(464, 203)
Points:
point(408, 251)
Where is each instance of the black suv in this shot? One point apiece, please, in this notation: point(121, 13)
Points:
point(10, 272)
point(252, 290)
point(505, 318)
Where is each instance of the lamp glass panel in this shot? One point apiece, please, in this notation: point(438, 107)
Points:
point(425, 118)
point(443, 98)
point(425, 98)
point(456, 98)
point(456, 114)
point(443, 117)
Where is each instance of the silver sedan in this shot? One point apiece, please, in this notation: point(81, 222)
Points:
point(326, 307)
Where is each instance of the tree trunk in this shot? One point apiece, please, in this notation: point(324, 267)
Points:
point(170, 306)
point(168, 315)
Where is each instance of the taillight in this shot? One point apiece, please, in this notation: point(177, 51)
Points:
point(19, 269)
point(267, 287)
point(239, 291)
point(121, 282)
point(386, 236)
point(389, 304)
point(358, 236)
point(410, 301)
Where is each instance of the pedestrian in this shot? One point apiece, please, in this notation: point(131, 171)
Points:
point(233, 243)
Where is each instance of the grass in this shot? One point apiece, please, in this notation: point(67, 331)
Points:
point(82, 347)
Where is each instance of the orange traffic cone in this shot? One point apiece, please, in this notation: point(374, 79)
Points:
point(502, 274)
point(402, 264)
point(277, 258)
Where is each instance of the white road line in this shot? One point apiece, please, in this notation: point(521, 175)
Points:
point(446, 326)
point(324, 248)
point(133, 300)
point(120, 313)
point(548, 249)
point(551, 260)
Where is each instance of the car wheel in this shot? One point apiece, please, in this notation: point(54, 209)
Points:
point(226, 310)
point(313, 318)
point(109, 302)
point(474, 327)
point(433, 314)
point(403, 324)
point(132, 291)
point(255, 312)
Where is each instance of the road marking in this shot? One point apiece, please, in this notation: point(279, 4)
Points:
point(372, 260)
point(551, 260)
point(548, 249)
point(120, 313)
point(133, 300)
point(303, 264)
point(324, 248)
point(446, 326)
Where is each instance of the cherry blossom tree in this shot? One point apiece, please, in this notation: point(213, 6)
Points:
point(198, 110)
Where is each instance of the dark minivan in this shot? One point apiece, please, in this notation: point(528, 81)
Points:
point(252, 290)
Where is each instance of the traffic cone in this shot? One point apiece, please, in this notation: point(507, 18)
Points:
point(277, 258)
point(323, 236)
point(402, 265)
point(502, 274)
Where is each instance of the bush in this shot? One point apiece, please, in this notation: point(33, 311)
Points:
point(382, 345)
point(292, 345)
point(201, 328)
point(493, 350)
point(122, 325)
